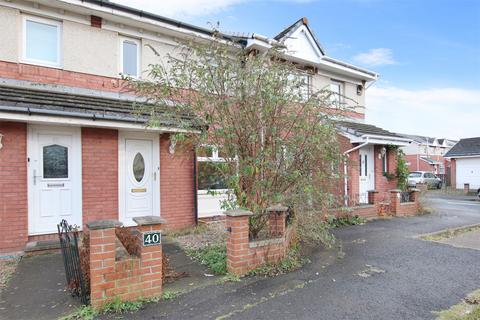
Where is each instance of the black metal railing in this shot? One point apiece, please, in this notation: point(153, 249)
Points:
point(405, 196)
point(68, 236)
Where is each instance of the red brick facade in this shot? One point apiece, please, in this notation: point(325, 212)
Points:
point(382, 184)
point(99, 183)
point(176, 185)
point(13, 187)
point(453, 173)
point(45, 75)
point(99, 174)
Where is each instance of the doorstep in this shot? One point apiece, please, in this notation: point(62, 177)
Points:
point(42, 246)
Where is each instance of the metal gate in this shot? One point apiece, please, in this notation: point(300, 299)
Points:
point(71, 259)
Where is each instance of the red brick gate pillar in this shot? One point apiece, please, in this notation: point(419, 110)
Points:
point(374, 199)
point(151, 256)
point(395, 201)
point(102, 259)
point(238, 251)
point(276, 220)
point(415, 197)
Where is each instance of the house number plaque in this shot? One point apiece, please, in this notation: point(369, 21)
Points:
point(152, 238)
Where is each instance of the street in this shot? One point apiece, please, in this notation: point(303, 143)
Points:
point(382, 271)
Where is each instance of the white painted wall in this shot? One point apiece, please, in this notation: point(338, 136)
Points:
point(90, 50)
point(468, 171)
point(10, 23)
point(210, 205)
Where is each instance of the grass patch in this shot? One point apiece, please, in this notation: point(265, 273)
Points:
point(212, 256)
point(7, 269)
point(170, 295)
point(347, 220)
point(292, 261)
point(468, 309)
point(229, 277)
point(117, 306)
point(450, 233)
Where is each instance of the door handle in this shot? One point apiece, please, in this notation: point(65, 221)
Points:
point(35, 177)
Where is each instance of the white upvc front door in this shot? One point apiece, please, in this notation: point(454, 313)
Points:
point(54, 178)
point(139, 176)
point(367, 172)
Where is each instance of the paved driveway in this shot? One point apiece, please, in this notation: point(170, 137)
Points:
point(383, 271)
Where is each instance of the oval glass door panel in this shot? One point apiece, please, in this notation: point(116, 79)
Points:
point(138, 167)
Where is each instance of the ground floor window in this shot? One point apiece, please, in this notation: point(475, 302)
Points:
point(209, 174)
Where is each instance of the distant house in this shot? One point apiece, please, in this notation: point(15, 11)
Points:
point(428, 154)
point(465, 157)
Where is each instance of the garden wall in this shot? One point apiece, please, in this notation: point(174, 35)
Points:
point(244, 255)
point(114, 272)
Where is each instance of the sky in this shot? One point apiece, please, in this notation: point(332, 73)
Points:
point(427, 52)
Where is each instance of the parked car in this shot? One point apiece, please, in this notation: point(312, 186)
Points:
point(478, 193)
point(431, 180)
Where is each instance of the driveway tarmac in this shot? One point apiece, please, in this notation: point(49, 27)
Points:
point(383, 271)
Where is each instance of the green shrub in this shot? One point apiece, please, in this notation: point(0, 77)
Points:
point(212, 256)
point(347, 220)
point(312, 229)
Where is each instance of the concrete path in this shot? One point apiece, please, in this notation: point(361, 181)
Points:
point(37, 290)
point(465, 240)
point(383, 271)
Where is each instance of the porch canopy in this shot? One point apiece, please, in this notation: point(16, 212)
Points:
point(96, 109)
point(365, 134)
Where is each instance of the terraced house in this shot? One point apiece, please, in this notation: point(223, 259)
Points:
point(72, 149)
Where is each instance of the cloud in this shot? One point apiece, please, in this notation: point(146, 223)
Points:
point(440, 112)
point(375, 57)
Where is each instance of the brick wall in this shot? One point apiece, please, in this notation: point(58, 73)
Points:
point(99, 174)
point(176, 185)
point(21, 71)
point(244, 255)
point(13, 187)
point(453, 173)
point(127, 277)
point(404, 209)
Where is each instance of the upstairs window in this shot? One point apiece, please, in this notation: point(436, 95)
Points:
point(41, 41)
point(336, 87)
point(130, 57)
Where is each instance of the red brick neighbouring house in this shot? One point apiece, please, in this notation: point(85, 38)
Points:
point(428, 154)
point(371, 161)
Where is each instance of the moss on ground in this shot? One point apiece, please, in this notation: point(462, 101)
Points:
point(468, 309)
point(450, 233)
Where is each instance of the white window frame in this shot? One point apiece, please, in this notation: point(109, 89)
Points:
point(56, 23)
point(213, 158)
point(122, 39)
point(342, 90)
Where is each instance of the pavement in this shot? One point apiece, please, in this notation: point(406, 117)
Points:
point(37, 290)
point(380, 270)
